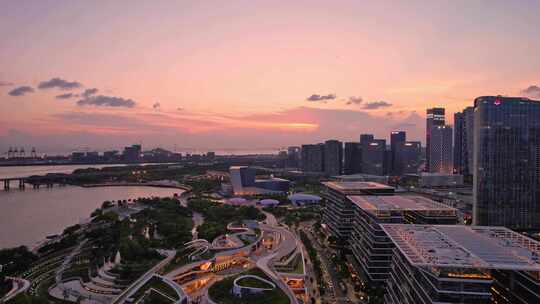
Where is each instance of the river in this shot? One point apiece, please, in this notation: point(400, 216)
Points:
point(24, 171)
point(27, 217)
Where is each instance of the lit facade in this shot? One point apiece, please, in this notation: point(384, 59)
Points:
point(440, 150)
point(434, 117)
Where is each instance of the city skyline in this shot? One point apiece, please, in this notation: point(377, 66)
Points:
point(258, 76)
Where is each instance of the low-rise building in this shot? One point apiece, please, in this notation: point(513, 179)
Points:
point(462, 264)
point(369, 243)
point(338, 214)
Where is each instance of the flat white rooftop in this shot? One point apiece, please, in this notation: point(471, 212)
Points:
point(374, 203)
point(356, 186)
point(465, 246)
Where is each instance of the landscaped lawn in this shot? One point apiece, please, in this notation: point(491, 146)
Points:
point(251, 282)
point(157, 284)
point(221, 292)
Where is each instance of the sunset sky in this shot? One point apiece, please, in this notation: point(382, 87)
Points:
point(214, 75)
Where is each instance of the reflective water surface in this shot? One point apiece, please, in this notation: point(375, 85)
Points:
point(27, 217)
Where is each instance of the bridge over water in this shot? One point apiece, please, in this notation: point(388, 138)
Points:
point(34, 181)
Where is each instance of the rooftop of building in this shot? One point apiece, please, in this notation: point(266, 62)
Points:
point(433, 174)
point(465, 246)
point(356, 185)
point(375, 204)
point(359, 177)
point(237, 167)
point(271, 179)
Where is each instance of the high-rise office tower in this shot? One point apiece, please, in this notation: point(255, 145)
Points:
point(366, 138)
point(440, 151)
point(293, 157)
point(434, 117)
point(333, 157)
point(353, 158)
point(407, 159)
point(396, 139)
point(463, 141)
point(313, 158)
point(506, 173)
point(458, 142)
point(373, 156)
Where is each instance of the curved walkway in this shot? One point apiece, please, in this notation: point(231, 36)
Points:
point(144, 278)
point(19, 286)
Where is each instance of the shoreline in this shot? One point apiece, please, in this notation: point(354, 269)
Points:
point(135, 184)
point(46, 238)
point(85, 164)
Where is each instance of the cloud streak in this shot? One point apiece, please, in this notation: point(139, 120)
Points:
point(376, 105)
point(106, 101)
point(354, 100)
point(20, 91)
point(66, 96)
point(6, 84)
point(324, 98)
point(89, 92)
point(60, 84)
point(532, 91)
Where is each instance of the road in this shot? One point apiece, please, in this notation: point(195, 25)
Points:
point(329, 270)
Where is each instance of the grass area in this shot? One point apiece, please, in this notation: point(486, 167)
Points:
point(156, 298)
point(217, 216)
point(299, 264)
point(220, 292)
point(157, 284)
point(295, 266)
point(252, 282)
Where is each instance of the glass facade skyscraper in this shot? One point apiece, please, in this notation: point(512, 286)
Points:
point(434, 117)
point(507, 162)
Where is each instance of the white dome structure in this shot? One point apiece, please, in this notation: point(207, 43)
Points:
point(269, 202)
point(301, 199)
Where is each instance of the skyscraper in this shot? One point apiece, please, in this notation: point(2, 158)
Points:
point(407, 158)
point(506, 173)
point(313, 158)
point(434, 117)
point(333, 157)
point(293, 157)
point(458, 142)
point(353, 158)
point(464, 141)
point(366, 138)
point(396, 139)
point(440, 150)
point(373, 156)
